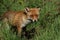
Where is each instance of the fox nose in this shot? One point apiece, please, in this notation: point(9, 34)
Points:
point(34, 20)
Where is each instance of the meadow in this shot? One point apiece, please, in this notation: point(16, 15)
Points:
point(46, 28)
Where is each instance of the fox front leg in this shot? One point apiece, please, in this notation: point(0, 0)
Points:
point(19, 30)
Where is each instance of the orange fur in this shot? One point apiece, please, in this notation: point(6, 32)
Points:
point(20, 18)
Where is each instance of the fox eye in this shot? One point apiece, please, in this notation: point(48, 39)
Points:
point(31, 15)
point(36, 15)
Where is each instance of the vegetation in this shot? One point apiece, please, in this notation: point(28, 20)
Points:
point(46, 28)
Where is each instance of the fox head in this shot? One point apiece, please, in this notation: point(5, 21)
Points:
point(32, 13)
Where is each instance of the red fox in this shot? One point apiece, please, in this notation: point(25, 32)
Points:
point(21, 18)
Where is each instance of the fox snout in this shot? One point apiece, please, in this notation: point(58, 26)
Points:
point(34, 20)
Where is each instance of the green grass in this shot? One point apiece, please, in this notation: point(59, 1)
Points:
point(48, 26)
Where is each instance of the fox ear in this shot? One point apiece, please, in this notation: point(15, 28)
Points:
point(26, 9)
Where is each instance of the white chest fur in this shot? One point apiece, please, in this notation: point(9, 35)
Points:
point(25, 22)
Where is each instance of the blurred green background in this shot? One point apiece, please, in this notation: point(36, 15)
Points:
point(48, 26)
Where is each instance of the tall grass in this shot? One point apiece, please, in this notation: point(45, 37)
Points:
point(46, 28)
